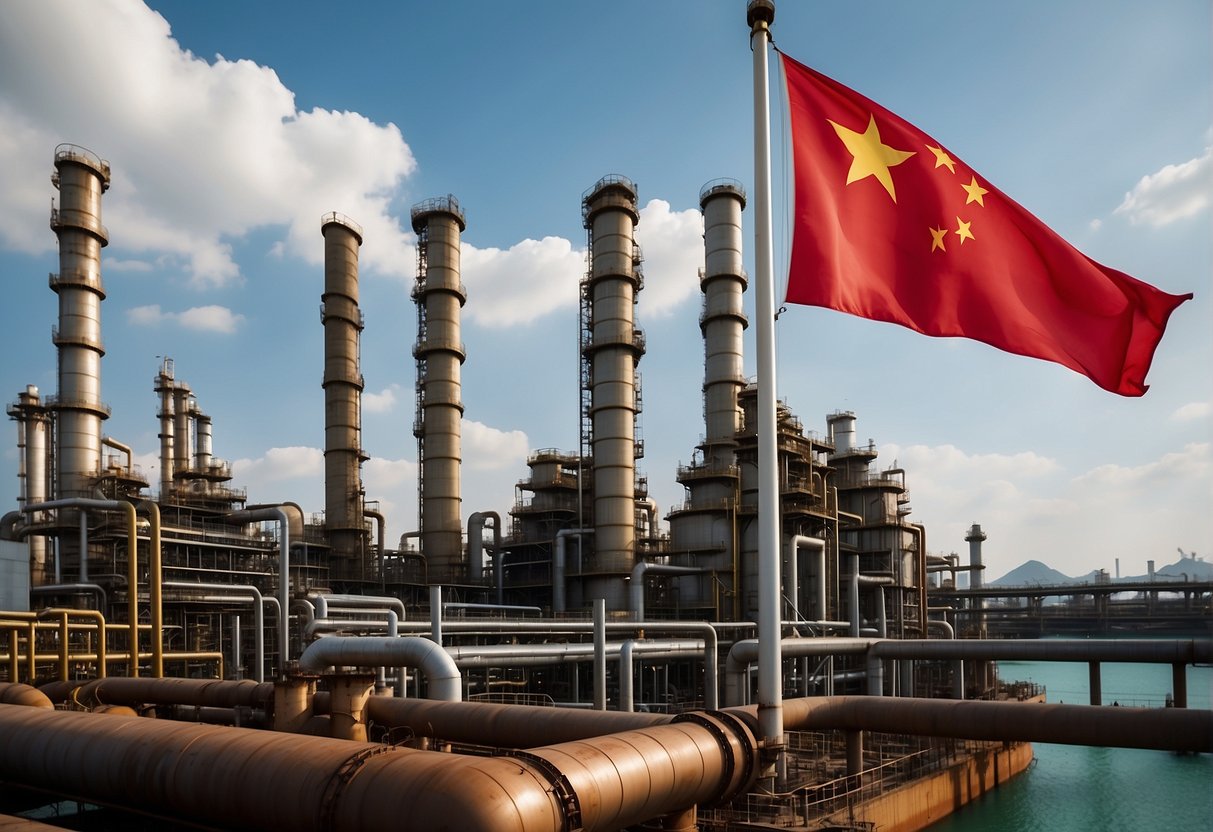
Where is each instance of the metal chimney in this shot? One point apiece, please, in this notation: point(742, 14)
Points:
point(723, 321)
point(164, 387)
point(440, 354)
point(33, 433)
point(81, 178)
point(343, 456)
point(611, 350)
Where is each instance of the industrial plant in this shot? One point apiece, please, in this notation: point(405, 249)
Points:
point(169, 649)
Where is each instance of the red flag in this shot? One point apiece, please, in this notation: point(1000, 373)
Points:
point(891, 226)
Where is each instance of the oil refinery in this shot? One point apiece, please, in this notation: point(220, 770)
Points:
point(171, 650)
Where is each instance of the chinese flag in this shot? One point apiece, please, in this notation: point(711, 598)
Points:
point(891, 226)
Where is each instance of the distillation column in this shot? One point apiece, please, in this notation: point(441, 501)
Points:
point(33, 432)
point(164, 387)
point(81, 178)
point(706, 526)
point(612, 353)
point(440, 354)
point(343, 454)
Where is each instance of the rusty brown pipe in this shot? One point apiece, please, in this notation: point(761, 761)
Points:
point(503, 726)
point(246, 779)
point(1164, 729)
point(196, 692)
point(12, 693)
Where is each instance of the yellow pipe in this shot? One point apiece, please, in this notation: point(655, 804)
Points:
point(14, 664)
point(63, 646)
point(98, 623)
point(155, 579)
point(31, 658)
point(132, 584)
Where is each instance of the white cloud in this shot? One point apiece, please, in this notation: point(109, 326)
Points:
point(522, 283)
point(489, 449)
point(281, 464)
point(199, 318)
point(115, 265)
point(536, 277)
point(201, 151)
point(1192, 411)
point(382, 402)
point(1190, 465)
point(1173, 193)
point(672, 243)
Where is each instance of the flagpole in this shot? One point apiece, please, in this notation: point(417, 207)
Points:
point(759, 15)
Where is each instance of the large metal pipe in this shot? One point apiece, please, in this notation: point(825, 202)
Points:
point(502, 726)
point(1166, 729)
point(476, 527)
point(176, 691)
point(12, 693)
point(342, 383)
point(445, 682)
point(305, 783)
point(440, 354)
point(611, 352)
point(284, 571)
point(81, 178)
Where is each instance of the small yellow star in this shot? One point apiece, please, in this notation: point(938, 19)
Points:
point(871, 156)
point(975, 192)
point(937, 235)
point(942, 159)
point(962, 230)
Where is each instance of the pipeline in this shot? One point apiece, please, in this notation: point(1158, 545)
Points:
point(445, 682)
point(1162, 729)
point(12, 693)
point(315, 783)
point(195, 692)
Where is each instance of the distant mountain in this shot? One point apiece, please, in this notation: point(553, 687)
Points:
point(1034, 573)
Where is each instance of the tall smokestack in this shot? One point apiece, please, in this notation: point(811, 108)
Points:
point(81, 178)
point(164, 387)
point(440, 354)
point(33, 432)
point(343, 455)
point(611, 353)
point(723, 320)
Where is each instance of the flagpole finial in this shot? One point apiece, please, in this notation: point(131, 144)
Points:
point(760, 11)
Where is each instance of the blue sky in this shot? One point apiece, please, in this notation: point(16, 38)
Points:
point(232, 127)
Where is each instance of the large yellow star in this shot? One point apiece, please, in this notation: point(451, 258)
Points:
point(962, 230)
point(871, 156)
point(942, 159)
point(975, 192)
point(937, 235)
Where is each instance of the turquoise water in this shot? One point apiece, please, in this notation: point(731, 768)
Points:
point(1107, 789)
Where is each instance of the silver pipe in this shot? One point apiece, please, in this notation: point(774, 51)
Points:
point(558, 565)
point(284, 571)
point(744, 653)
point(793, 578)
point(247, 593)
point(759, 15)
point(476, 526)
point(600, 697)
point(58, 589)
point(520, 609)
point(445, 682)
point(636, 583)
point(436, 614)
point(322, 600)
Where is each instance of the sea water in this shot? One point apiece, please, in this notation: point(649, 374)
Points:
point(1071, 787)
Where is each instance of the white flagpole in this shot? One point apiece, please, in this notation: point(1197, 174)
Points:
point(759, 15)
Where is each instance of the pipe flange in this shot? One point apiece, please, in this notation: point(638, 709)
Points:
point(561, 787)
point(341, 778)
point(739, 767)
